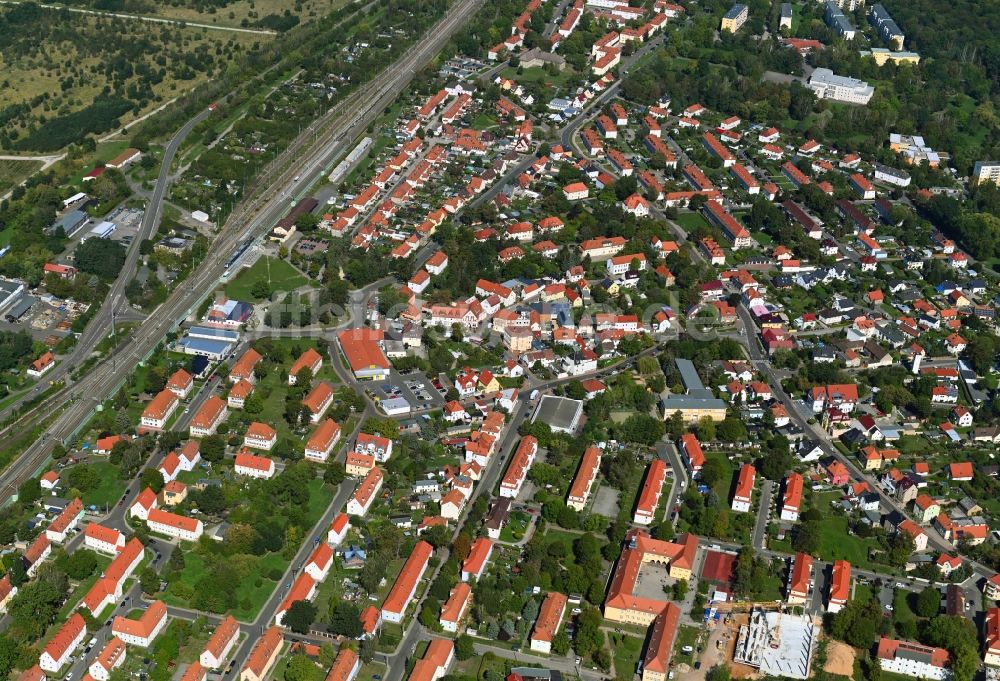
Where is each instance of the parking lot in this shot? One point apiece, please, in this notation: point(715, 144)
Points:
point(127, 222)
point(415, 387)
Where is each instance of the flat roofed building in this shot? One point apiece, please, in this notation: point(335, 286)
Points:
point(561, 413)
point(828, 85)
point(735, 18)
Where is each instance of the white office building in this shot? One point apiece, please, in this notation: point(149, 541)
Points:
point(828, 85)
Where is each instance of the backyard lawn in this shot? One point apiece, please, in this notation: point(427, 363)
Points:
point(626, 650)
point(282, 275)
point(691, 221)
point(110, 488)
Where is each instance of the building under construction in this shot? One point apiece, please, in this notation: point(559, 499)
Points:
point(777, 643)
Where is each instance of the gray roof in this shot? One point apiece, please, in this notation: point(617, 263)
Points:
point(680, 402)
point(689, 375)
point(559, 412)
point(735, 11)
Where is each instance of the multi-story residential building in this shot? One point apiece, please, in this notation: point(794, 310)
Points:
point(109, 659)
point(209, 417)
point(649, 496)
point(405, 587)
point(743, 494)
point(220, 644)
point(253, 466)
point(735, 18)
point(302, 589)
point(455, 607)
point(840, 586)
point(346, 666)
point(986, 172)
point(260, 436)
point(656, 663)
point(180, 383)
point(174, 525)
point(338, 529)
point(365, 494)
point(885, 25)
point(65, 522)
point(579, 491)
point(322, 441)
point(799, 579)
point(103, 539)
point(517, 470)
point(835, 18)
point(475, 563)
point(62, 646)
point(310, 359)
point(242, 369)
point(143, 631)
point(913, 659)
point(791, 501)
point(550, 617)
point(263, 656)
point(376, 446)
point(159, 410)
point(318, 400)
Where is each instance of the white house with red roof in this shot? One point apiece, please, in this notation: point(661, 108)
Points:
point(319, 563)
point(479, 556)
point(253, 466)
point(143, 504)
point(61, 646)
point(338, 529)
point(103, 539)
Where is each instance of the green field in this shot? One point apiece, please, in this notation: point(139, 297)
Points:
point(282, 276)
point(691, 221)
point(626, 651)
point(14, 172)
point(686, 636)
point(109, 490)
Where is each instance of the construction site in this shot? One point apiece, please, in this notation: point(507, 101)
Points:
point(777, 643)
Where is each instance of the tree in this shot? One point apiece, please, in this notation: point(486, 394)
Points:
point(102, 257)
point(300, 617)
point(345, 619)
point(718, 673)
point(301, 668)
point(213, 448)
point(805, 537)
point(79, 565)
point(150, 581)
point(928, 602)
point(706, 429)
point(464, 647)
point(152, 478)
point(260, 290)
point(857, 623)
point(29, 492)
point(82, 477)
